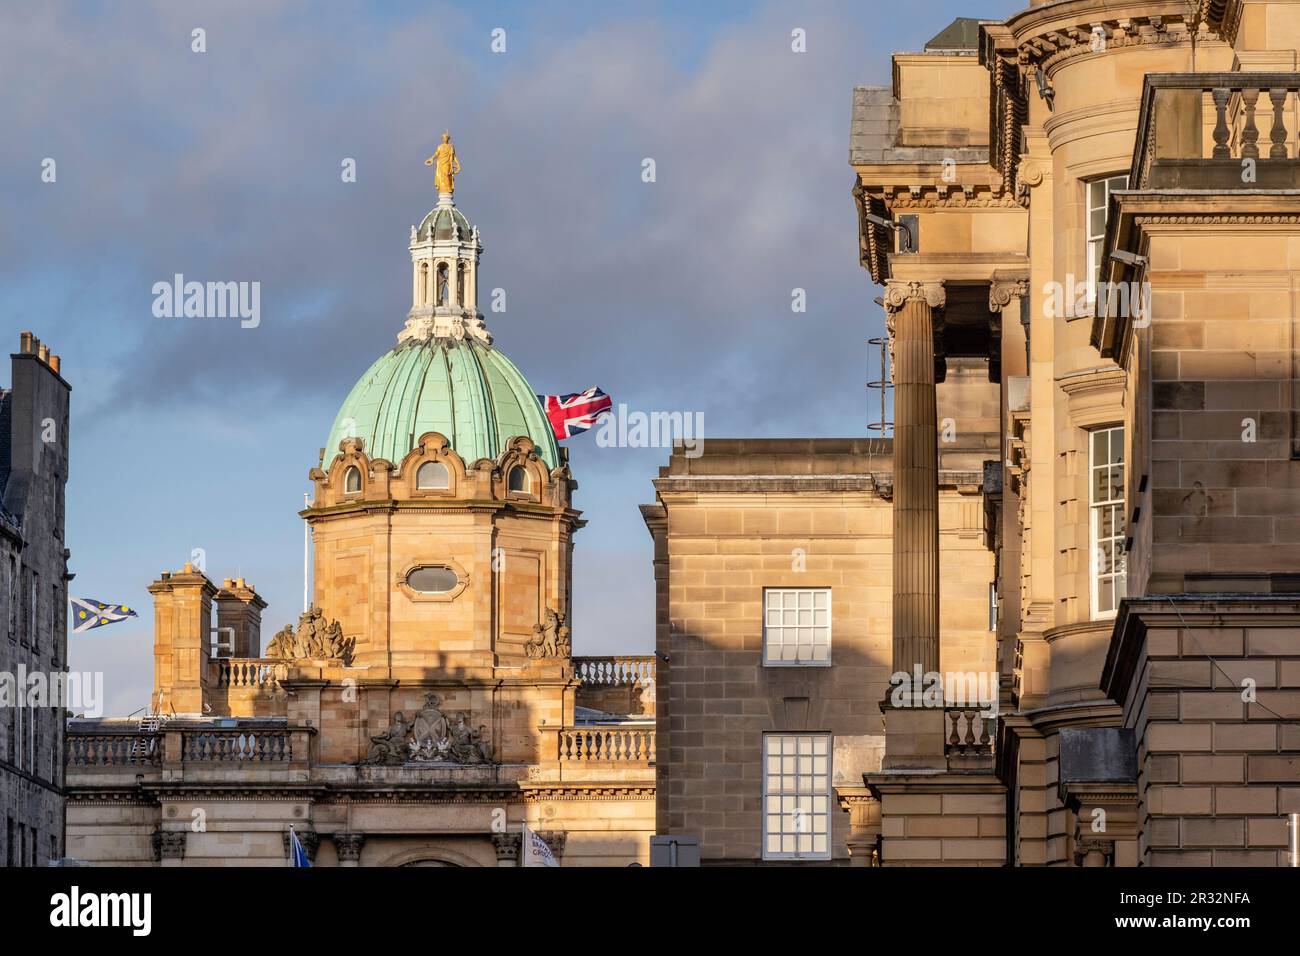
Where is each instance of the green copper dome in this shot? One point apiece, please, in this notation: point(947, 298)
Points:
point(468, 391)
point(446, 222)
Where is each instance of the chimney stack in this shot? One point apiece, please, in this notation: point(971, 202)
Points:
point(182, 638)
point(239, 617)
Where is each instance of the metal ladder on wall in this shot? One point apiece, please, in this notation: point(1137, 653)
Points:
point(147, 727)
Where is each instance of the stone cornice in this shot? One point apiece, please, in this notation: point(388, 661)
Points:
point(539, 792)
point(1223, 16)
point(1078, 627)
point(931, 781)
point(1089, 713)
point(948, 196)
point(155, 794)
point(1049, 34)
point(767, 484)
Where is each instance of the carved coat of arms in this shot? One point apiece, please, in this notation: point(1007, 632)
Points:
point(432, 737)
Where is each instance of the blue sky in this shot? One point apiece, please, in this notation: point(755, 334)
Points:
point(224, 166)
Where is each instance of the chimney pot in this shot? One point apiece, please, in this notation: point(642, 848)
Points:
point(44, 354)
point(54, 363)
point(25, 343)
point(189, 567)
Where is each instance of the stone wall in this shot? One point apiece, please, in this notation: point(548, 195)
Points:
point(1212, 690)
point(33, 612)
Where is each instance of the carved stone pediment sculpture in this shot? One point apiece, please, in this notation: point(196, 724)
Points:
point(550, 637)
point(432, 737)
point(314, 637)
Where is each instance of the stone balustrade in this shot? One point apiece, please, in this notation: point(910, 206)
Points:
point(607, 744)
point(970, 732)
point(1248, 146)
point(113, 750)
point(230, 746)
point(616, 685)
point(250, 672)
point(274, 745)
point(639, 671)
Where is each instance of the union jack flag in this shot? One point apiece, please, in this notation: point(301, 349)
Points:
point(571, 414)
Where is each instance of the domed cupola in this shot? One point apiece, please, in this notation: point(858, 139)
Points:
point(445, 250)
point(445, 375)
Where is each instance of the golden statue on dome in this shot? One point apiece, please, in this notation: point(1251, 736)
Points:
point(448, 165)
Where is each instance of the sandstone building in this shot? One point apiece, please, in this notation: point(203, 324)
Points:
point(33, 595)
point(1095, 202)
point(428, 704)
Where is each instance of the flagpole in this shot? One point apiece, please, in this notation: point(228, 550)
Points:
point(306, 549)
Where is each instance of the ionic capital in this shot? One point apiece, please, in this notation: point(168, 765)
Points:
point(898, 292)
point(1003, 289)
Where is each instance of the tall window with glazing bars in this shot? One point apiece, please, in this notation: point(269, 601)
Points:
point(1106, 517)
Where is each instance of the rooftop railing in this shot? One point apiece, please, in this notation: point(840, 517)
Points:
point(191, 746)
point(614, 744)
point(611, 671)
point(1218, 131)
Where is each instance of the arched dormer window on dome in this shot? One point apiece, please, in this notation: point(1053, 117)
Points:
point(352, 481)
point(432, 474)
point(518, 481)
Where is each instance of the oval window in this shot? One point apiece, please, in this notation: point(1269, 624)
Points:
point(518, 480)
point(352, 481)
point(432, 474)
point(432, 580)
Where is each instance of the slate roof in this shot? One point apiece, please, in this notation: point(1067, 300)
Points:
point(962, 34)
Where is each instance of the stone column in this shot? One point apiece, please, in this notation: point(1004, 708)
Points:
point(347, 847)
point(913, 315)
point(864, 825)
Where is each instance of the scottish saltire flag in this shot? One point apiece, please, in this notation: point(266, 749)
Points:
point(571, 414)
point(88, 614)
point(536, 852)
point(297, 855)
